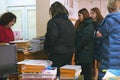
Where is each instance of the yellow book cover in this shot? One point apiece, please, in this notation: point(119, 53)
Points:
point(70, 71)
point(30, 70)
point(70, 68)
point(32, 66)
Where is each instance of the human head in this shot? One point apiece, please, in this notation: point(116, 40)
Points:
point(113, 5)
point(83, 14)
point(95, 14)
point(57, 8)
point(7, 18)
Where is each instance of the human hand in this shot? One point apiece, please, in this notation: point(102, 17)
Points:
point(98, 34)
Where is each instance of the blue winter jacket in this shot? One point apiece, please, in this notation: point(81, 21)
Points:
point(110, 49)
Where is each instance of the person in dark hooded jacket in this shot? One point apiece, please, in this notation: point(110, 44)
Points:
point(97, 18)
point(60, 37)
point(84, 43)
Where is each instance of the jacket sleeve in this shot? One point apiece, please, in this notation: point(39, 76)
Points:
point(51, 36)
point(106, 28)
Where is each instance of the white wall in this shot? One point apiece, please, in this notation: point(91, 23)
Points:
point(101, 4)
point(42, 13)
point(5, 3)
point(52, 1)
point(20, 2)
point(3, 6)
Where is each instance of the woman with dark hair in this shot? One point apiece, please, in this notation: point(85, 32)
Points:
point(60, 36)
point(7, 20)
point(97, 18)
point(84, 44)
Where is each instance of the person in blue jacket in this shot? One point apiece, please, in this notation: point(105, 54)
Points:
point(109, 32)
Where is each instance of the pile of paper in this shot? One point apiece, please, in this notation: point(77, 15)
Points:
point(112, 74)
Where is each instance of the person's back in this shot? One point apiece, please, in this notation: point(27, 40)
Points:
point(110, 34)
point(66, 35)
point(60, 35)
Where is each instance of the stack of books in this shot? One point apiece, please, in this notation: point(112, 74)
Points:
point(37, 70)
point(45, 75)
point(70, 72)
point(31, 66)
point(21, 44)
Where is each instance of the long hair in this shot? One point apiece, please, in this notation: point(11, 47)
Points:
point(57, 8)
point(85, 14)
point(6, 18)
point(98, 14)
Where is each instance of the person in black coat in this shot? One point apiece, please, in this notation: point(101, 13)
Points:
point(60, 36)
point(84, 43)
point(97, 18)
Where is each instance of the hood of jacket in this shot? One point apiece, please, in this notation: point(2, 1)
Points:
point(113, 16)
point(88, 20)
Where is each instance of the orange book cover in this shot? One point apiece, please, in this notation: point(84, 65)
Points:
point(30, 70)
point(70, 68)
point(32, 66)
point(70, 71)
point(67, 71)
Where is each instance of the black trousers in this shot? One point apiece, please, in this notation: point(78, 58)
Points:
point(60, 60)
point(86, 70)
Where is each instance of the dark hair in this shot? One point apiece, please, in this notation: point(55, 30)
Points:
point(57, 8)
point(6, 18)
point(98, 14)
point(84, 12)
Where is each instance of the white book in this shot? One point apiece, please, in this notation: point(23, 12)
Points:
point(20, 41)
point(36, 62)
point(71, 67)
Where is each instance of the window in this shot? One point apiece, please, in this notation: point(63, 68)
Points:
point(26, 21)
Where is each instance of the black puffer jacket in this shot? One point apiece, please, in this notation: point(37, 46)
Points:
point(84, 42)
point(60, 36)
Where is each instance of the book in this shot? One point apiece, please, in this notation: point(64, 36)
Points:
point(112, 74)
point(21, 43)
point(37, 76)
point(50, 72)
point(27, 66)
point(70, 71)
point(35, 62)
point(47, 74)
